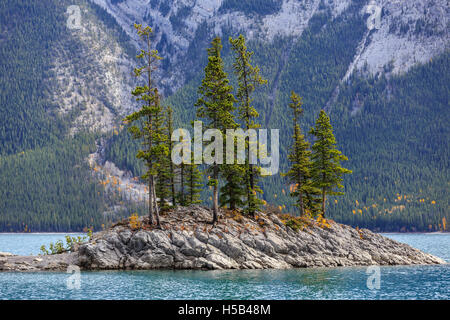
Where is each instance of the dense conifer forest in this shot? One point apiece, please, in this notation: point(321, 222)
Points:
point(393, 128)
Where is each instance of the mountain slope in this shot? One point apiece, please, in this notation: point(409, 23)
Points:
point(388, 110)
point(327, 56)
point(55, 83)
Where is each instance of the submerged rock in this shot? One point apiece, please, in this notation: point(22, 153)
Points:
point(187, 241)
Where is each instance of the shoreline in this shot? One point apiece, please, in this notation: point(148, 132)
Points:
point(45, 233)
point(83, 233)
point(266, 241)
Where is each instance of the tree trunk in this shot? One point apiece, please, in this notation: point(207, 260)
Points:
point(323, 203)
point(150, 200)
point(158, 224)
point(250, 182)
point(300, 198)
point(252, 188)
point(172, 183)
point(215, 204)
point(300, 193)
point(215, 195)
point(183, 203)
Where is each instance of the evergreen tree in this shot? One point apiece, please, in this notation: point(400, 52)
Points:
point(181, 182)
point(326, 169)
point(193, 183)
point(232, 192)
point(148, 119)
point(182, 173)
point(163, 160)
point(248, 79)
point(215, 105)
point(299, 156)
point(170, 146)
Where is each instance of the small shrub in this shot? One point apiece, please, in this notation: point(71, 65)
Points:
point(134, 222)
point(323, 223)
point(293, 224)
point(59, 247)
point(235, 215)
point(296, 223)
point(360, 233)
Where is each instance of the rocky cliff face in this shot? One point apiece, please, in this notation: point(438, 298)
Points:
point(92, 60)
point(407, 33)
point(186, 241)
point(91, 74)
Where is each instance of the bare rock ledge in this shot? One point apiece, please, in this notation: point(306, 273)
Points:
point(186, 241)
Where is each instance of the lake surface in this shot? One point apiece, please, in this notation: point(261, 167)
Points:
point(402, 282)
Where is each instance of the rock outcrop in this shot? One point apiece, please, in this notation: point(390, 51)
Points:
point(187, 241)
point(57, 262)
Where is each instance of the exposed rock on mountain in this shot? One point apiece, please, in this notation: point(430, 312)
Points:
point(408, 32)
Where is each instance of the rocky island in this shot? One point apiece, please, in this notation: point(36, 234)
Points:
point(187, 241)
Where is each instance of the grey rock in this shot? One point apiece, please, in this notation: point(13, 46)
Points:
point(186, 242)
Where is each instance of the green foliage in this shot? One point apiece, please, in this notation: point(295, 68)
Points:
point(396, 134)
point(148, 126)
point(215, 106)
point(294, 224)
point(28, 28)
point(215, 102)
point(51, 188)
point(299, 173)
point(194, 183)
point(393, 128)
point(59, 247)
point(171, 169)
point(46, 184)
point(122, 149)
point(232, 192)
point(248, 78)
point(326, 169)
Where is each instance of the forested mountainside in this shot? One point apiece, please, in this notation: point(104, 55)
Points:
point(50, 79)
point(64, 92)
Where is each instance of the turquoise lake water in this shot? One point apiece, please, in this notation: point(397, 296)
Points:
point(401, 282)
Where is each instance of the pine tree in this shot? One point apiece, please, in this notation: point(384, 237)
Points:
point(147, 119)
point(232, 192)
point(170, 146)
point(248, 79)
point(299, 156)
point(326, 169)
point(193, 183)
point(162, 155)
point(215, 105)
point(181, 182)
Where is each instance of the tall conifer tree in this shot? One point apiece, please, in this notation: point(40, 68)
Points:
point(232, 192)
point(162, 155)
point(248, 79)
point(145, 127)
point(215, 106)
point(299, 156)
point(326, 169)
point(181, 182)
point(170, 146)
point(193, 182)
